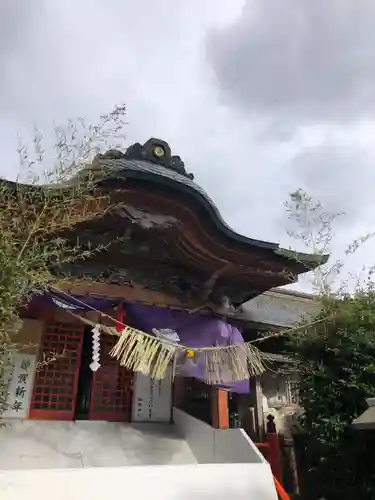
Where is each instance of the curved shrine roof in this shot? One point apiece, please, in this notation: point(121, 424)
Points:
point(152, 179)
point(134, 165)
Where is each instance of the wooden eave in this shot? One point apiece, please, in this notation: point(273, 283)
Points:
point(197, 240)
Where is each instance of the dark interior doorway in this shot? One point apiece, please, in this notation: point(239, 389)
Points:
point(85, 378)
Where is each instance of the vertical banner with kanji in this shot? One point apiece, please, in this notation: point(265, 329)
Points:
point(152, 399)
point(20, 385)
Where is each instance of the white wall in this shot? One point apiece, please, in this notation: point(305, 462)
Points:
point(229, 465)
point(211, 445)
point(366, 420)
point(183, 482)
point(280, 309)
point(38, 444)
point(198, 435)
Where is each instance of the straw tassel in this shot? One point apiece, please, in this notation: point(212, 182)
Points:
point(231, 364)
point(146, 354)
point(140, 352)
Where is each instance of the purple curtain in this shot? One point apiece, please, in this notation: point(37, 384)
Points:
point(194, 330)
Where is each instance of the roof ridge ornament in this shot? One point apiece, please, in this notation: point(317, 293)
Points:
point(154, 151)
point(159, 152)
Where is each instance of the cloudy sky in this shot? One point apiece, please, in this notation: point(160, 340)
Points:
point(258, 97)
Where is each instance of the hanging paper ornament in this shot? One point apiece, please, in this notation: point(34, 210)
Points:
point(166, 333)
point(169, 335)
point(95, 365)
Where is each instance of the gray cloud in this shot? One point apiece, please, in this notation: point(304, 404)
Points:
point(59, 62)
point(342, 177)
point(305, 72)
point(299, 61)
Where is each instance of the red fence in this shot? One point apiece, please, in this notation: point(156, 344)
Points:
point(271, 451)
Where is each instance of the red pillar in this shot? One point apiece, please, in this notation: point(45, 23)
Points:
point(274, 454)
point(219, 409)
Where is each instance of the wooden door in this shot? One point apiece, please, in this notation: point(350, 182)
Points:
point(55, 386)
point(112, 387)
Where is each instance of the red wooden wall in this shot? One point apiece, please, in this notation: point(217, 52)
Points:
point(55, 386)
point(112, 387)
